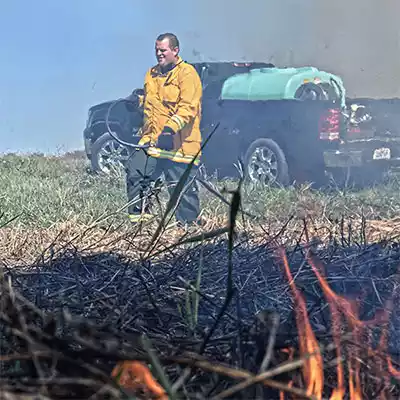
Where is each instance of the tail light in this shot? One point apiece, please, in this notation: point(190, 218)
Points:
point(329, 125)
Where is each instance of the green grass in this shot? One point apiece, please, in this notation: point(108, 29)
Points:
point(45, 191)
point(51, 190)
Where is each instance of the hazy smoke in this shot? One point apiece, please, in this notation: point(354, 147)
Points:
point(357, 39)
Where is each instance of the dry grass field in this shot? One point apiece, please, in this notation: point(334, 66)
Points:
point(228, 311)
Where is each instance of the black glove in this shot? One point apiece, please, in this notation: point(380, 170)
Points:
point(166, 140)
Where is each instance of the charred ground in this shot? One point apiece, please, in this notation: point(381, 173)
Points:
point(67, 264)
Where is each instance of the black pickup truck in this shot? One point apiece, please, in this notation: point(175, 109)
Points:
point(275, 142)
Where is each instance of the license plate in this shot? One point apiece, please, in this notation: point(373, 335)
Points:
point(381, 154)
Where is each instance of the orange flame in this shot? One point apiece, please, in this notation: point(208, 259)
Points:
point(313, 369)
point(290, 351)
point(342, 310)
point(134, 376)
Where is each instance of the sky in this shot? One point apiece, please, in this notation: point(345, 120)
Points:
point(60, 57)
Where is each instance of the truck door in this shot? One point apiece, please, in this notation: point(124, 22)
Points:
point(211, 116)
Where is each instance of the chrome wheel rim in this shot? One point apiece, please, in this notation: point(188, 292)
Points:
point(263, 166)
point(112, 157)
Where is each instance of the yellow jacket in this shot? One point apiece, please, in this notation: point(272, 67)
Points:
point(173, 100)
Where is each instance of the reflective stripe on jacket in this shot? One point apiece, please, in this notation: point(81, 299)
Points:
point(173, 100)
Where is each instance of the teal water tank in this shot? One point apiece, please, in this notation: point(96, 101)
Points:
point(276, 83)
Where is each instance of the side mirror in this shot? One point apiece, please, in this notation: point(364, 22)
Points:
point(138, 92)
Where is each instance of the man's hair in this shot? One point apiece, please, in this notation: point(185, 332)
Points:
point(173, 40)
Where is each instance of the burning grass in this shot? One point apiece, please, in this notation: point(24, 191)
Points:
point(213, 334)
point(235, 314)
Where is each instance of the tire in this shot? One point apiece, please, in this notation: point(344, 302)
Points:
point(280, 170)
point(100, 162)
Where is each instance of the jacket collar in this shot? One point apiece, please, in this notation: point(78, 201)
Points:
point(156, 70)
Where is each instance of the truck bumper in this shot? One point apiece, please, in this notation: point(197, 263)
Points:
point(368, 154)
point(87, 134)
point(343, 159)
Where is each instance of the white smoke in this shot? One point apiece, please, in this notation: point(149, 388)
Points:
point(357, 39)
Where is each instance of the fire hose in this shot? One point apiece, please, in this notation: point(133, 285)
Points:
point(114, 136)
point(145, 182)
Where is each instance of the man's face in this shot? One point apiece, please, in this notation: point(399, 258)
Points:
point(165, 55)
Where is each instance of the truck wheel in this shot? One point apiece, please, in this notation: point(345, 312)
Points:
point(265, 163)
point(108, 156)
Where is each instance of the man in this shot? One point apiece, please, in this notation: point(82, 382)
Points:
point(171, 126)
